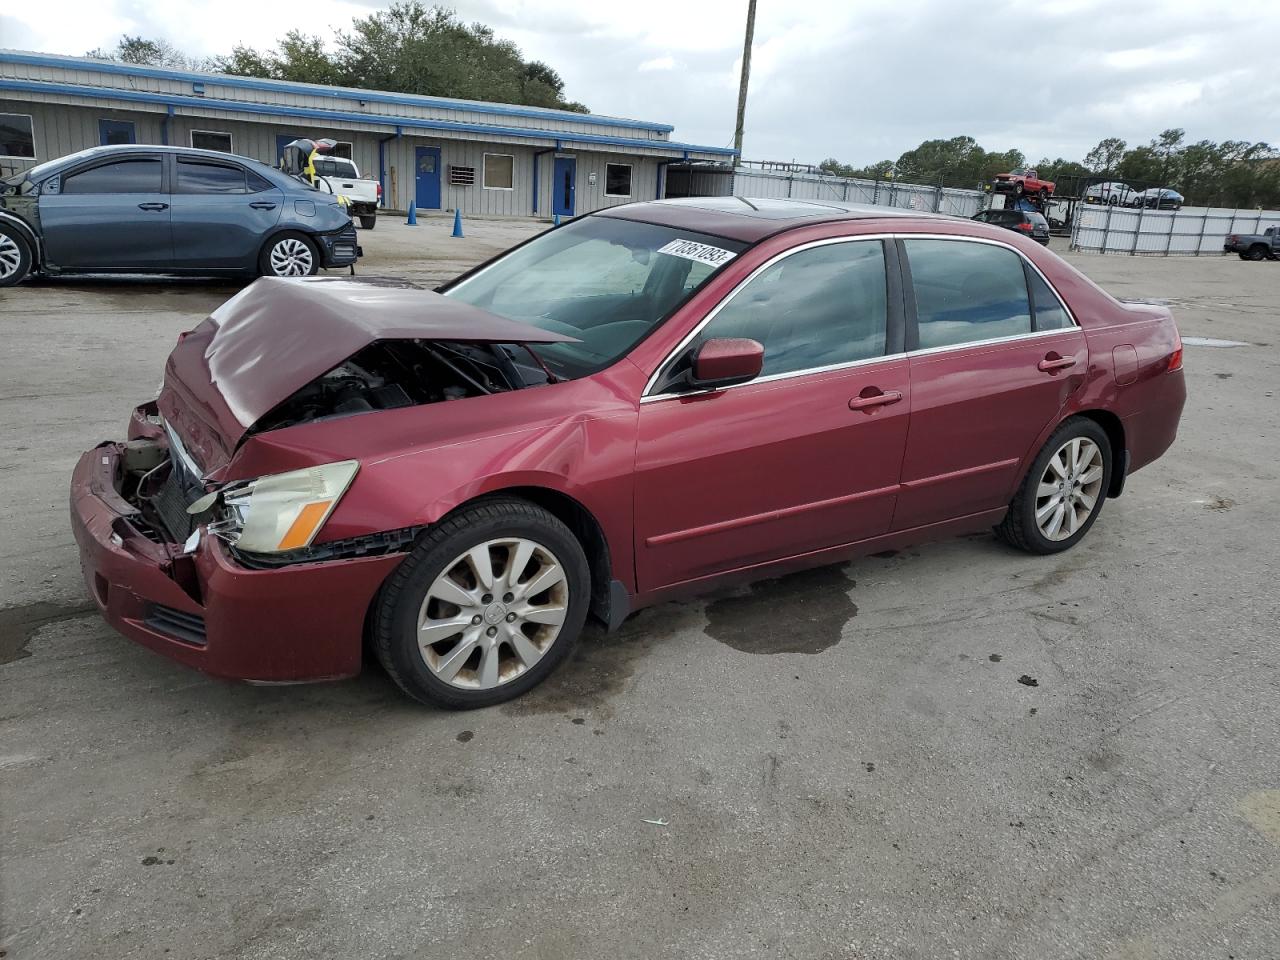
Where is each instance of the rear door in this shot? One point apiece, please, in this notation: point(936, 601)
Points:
point(802, 458)
point(221, 212)
point(112, 214)
point(994, 356)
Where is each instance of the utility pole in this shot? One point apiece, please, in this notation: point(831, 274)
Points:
point(746, 75)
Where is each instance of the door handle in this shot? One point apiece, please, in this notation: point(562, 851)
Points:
point(153, 206)
point(1051, 363)
point(262, 205)
point(875, 400)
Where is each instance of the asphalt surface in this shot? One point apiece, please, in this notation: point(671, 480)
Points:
point(847, 763)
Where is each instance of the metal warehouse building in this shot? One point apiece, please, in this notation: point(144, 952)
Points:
point(482, 158)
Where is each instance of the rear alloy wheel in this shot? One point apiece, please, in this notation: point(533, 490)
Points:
point(289, 255)
point(489, 602)
point(1044, 194)
point(1062, 493)
point(15, 256)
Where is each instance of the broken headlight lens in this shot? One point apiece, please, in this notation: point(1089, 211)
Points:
point(282, 512)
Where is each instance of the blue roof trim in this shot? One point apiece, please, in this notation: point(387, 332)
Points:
point(318, 90)
point(525, 133)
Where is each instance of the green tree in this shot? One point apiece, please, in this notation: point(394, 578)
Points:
point(1106, 156)
point(150, 53)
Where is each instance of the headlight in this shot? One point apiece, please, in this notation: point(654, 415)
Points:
point(284, 511)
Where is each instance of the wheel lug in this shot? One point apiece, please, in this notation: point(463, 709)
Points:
point(492, 631)
point(511, 618)
point(475, 621)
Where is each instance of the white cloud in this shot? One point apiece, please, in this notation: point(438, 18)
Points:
point(658, 63)
point(861, 82)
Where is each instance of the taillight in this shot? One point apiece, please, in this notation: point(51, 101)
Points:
point(379, 191)
point(1025, 226)
point(1175, 358)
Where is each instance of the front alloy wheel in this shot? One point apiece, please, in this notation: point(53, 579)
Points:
point(492, 613)
point(488, 603)
point(15, 258)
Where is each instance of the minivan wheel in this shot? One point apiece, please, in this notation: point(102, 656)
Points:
point(487, 604)
point(1062, 493)
point(15, 256)
point(289, 255)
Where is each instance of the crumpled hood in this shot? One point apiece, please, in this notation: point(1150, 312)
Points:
point(277, 335)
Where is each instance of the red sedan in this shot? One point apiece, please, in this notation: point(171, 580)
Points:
point(643, 403)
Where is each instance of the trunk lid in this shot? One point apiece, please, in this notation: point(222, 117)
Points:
point(278, 335)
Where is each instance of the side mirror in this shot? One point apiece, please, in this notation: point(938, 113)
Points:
point(724, 362)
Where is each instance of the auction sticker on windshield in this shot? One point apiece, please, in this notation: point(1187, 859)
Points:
point(699, 252)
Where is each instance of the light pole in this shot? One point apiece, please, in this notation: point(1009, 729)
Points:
point(746, 75)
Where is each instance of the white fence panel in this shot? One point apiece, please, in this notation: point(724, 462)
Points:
point(766, 185)
point(1189, 232)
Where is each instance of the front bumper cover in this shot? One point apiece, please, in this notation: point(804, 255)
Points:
point(286, 625)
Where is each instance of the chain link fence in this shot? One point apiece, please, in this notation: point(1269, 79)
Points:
point(1189, 232)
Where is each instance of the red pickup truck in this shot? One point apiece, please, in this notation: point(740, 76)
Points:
point(1019, 182)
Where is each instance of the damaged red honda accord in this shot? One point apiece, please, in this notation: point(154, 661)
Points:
point(643, 403)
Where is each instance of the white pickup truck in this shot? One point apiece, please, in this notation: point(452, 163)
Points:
point(342, 177)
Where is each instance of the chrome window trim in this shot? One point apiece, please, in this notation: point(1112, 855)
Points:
point(647, 397)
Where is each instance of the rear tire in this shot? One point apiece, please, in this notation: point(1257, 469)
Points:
point(1067, 482)
point(289, 254)
point(458, 626)
point(1257, 252)
point(15, 256)
point(1044, 194)
point(368, 223)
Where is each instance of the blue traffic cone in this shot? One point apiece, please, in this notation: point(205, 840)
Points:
point(413, 215)
point(555, 221)
point(457, 223)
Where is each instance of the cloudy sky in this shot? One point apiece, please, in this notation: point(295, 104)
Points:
point(855, 79)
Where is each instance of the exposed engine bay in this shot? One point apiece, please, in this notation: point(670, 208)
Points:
point(389, 374)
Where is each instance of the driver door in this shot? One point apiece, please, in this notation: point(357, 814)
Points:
point(806, 456)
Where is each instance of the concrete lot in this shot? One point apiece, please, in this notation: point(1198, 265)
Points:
point(844, 762)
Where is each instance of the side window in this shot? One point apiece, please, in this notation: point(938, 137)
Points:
point(198, 177)
point(966, 292)
point(1050, 314)
point(822, 306)
point(124, 176)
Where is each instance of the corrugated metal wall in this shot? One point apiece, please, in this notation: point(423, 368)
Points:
point(60, 129)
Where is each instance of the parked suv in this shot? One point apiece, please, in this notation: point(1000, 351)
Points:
point(146, 209)
point(1026, 222)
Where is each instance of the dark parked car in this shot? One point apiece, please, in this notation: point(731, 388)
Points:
point(142, 209)
point(1026, 222)
point(642, 404)
point(1159, 198)
point(1254, 246)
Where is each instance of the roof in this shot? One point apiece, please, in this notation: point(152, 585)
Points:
point(750, 220)
point(91, 65)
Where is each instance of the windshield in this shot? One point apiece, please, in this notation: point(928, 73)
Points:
point(603, 281)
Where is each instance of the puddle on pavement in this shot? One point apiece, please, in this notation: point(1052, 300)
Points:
point(800, 613)
point(1212, 342)
point(19, 624)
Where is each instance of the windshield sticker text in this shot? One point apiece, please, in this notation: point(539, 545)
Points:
point(700, 252)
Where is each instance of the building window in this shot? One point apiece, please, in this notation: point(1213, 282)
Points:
point(211, 140)
point(499, 171)
point(342, 148)
point(112, 132)
point(617, 179)
point(16, 136)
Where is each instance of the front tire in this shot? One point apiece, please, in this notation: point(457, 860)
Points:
point(15, 256)
point(289, 254)
point(369, 222)
point(488, 603)
point(1061, 495)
